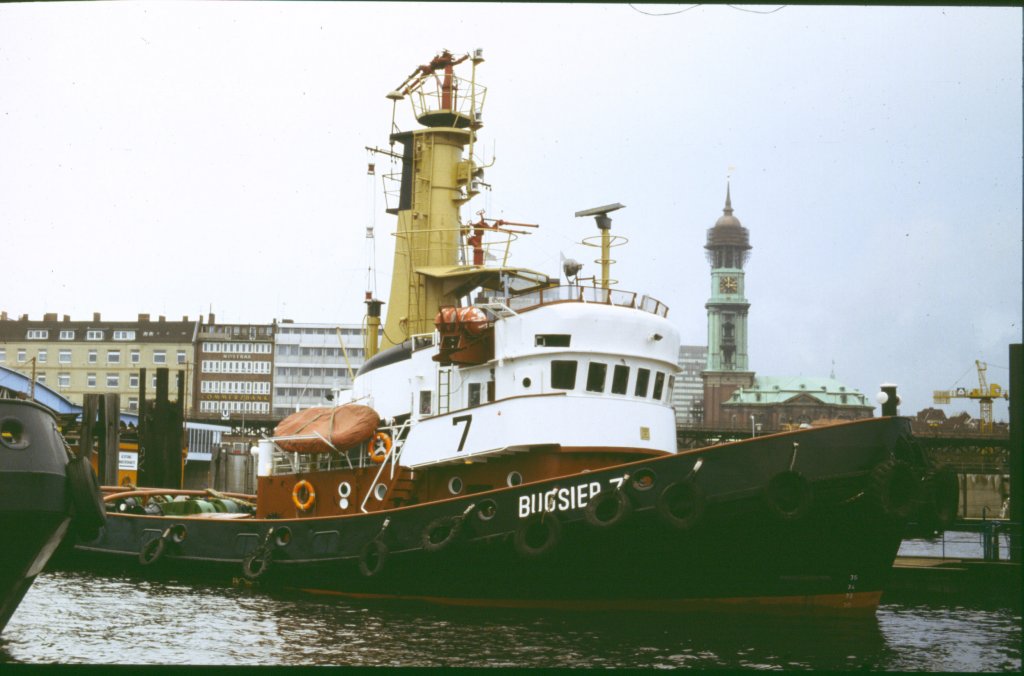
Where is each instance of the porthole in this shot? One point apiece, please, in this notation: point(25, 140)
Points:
point(343, 503)
point(344, 489)
point(282, 536)
point(12, 434)
point(455, 485)
point(380, 491)
point(514, 478)
point(527, 382)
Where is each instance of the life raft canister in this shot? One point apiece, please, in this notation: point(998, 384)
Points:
point(469, 320)
point(310, 499)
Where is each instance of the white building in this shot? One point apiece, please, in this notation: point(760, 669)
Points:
point(311, 361)
point(688, 397)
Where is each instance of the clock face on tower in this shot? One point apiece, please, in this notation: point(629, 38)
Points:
point(728, 285)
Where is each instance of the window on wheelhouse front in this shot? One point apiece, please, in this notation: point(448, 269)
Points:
point(596, 373)
point(643, 379)
point(620, 379)
point(659, 385)
point(563, 375)
point(474, 394)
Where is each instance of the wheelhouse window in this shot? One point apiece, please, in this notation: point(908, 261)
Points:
point(659, 385)
point(620, 379)
point(425, 402)
point(643, 379)
point(474, 394)
point(596, 373)
point(672, 390)
point(552, 339)
point(563, 375)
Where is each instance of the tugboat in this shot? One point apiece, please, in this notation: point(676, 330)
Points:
point(43, 488)
point(511, 442)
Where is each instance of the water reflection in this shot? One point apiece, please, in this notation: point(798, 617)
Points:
point(78, 618)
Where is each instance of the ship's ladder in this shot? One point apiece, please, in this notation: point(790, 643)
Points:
point(444, 390)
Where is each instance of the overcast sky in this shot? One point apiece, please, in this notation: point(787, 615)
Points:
point(168, 158)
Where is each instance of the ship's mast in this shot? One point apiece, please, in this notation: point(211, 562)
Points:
point(435, 181)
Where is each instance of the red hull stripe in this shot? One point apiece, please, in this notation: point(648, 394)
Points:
point(843, 603)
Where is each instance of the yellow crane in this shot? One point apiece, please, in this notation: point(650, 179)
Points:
point(984, 393)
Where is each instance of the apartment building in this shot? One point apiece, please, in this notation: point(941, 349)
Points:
point(76, 357)
point(234, 373)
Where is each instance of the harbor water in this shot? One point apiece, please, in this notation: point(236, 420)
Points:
point(78, 618)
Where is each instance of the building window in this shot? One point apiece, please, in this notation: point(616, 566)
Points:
point(64, 356)
point(3, 354)
point(90, 380)
point(133, 403)
point(181, 356)
point(41, 378)
point(38, 334)
point(596, 373)
point(113, 380)
point(620, 379)
point(136, 357)
point(113, 356)
point(67, 335)
point(563, 375)
point(22, 356)
point(41, 357)
point(160, 356)
point(659, 385)
point(643, 379)
point(93, 356)
point(93, 334)
point(133, 380)
point(124, 335)
point(63, 380)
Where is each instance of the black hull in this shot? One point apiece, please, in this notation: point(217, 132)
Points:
point(792, 522)
point(34, 514)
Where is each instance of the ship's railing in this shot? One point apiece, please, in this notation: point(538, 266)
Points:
point(390, 460)
point(584, 294)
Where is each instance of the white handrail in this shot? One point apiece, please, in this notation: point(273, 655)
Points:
point(391, 455)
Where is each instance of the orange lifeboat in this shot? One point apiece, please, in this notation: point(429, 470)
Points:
point(344, 426)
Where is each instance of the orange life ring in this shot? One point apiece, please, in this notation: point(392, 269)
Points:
point(304, 506)
point(378, 453)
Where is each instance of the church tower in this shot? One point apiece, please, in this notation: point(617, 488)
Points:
point(728, 248)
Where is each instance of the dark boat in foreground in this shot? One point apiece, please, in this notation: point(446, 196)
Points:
point(514, 445)
point(42, 487)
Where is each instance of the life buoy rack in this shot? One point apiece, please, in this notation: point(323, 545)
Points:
point(789, 495)
point(537, 535)
point(303, 485)
point(608, 509)
point(380, 447)
point(681, 504)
